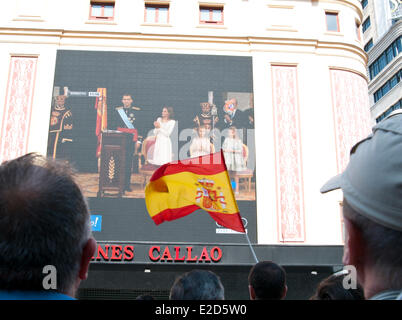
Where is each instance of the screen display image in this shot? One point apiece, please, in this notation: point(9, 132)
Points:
point(118, 116)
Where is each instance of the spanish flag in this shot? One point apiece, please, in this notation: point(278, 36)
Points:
point(179, 188)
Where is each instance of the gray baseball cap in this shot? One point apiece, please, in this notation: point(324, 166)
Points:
point(372, 181)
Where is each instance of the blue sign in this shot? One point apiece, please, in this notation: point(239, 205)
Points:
point(233, 183)
point(96, 223)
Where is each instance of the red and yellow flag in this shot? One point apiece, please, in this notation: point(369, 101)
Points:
point(179, 188)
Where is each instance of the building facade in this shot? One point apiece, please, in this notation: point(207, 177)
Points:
point(383, 44)
point(299, 66)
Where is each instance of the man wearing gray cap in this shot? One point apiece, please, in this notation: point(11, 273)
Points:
point(372, 209)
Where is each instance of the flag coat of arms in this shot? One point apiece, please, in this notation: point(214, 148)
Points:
point(179, 188)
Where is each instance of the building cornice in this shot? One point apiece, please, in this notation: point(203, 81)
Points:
point(364, 76)
point(247, 43)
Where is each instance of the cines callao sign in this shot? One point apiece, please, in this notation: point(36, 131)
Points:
point(109, 253)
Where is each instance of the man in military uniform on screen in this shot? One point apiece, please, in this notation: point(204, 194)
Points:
point(125, 117)
point(206, 118)
point(60, 130)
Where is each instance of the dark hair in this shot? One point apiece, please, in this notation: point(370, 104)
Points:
point(44, 220)
point(384, 247)
point(197, 285)
point(332, 288)
point(268, 280)
point(170, 111)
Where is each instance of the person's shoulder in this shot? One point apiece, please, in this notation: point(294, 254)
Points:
point(388, 295)
point(33, 295)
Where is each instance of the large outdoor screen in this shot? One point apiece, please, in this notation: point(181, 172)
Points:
point(118, 116)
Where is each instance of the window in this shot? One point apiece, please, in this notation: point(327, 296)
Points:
point(156, 13)
point(332, 21)
point(382, 61)
point(366, 24)
point(364, 3)
point(396, 106)
point(211, 15)
point(389, 54)
point(393, 50)
point(102, 11)
point(368, 45)
point(388, 86)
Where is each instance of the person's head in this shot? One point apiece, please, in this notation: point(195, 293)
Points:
point(230, 106)
point(44, 221)
point(372, 207)
point(205, 107)
point(233, 102)
point(267, 281)
point(167, 113)
point(374, 250)
point(197, 285)
point(202, 131)
point(127, 100)
point(232, 132)
point(60, 100)
point(332, 288)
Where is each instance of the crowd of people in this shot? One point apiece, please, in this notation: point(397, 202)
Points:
point(45, 221)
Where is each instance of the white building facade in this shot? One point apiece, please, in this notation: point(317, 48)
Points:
point(310, 90)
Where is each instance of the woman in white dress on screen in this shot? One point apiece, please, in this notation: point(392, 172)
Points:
point(163, 145)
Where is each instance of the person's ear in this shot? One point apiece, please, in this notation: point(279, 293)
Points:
point(354, 249)
point(346, 255)
point(251, 292)
point(87, 254)
point(285, 291)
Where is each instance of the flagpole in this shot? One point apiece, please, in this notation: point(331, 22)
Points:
point(251, 247)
